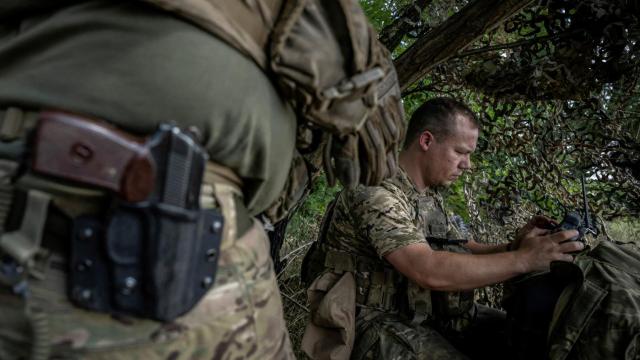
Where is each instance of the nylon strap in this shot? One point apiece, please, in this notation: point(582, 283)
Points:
point(220, 187)
point(23, 245)
point(421, 312)
point(14, 122)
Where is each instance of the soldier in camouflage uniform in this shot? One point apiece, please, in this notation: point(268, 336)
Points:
point(138, 66)
point(413, 299)
point(204, 66)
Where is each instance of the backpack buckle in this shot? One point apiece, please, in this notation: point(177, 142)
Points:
point(347, 86)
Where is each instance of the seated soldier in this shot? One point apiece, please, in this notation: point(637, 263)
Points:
point(414, 298)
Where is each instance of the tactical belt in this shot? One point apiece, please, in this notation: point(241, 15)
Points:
point(153, 250)
point(376, 283)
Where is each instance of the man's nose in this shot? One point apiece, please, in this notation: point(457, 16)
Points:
point(466, 163)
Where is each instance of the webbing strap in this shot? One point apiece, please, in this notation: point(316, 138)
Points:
point(14, 122)
point(7, 171)
point(216, 173)
point(421, 312)
point(220, 186)
point(23, 245)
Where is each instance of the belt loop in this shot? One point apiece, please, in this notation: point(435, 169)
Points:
point(219, 187)
point(11, 124)
point(14, 122)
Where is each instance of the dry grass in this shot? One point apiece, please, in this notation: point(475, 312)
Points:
point(301, 232)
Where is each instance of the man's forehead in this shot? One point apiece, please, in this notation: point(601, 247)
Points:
point(464, 122)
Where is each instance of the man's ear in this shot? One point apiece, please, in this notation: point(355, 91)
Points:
point(425, 140)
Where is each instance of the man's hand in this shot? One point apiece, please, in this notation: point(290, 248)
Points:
point(538, 248)
point(538, 221)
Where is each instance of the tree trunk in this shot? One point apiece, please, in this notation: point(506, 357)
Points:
point(453, 35)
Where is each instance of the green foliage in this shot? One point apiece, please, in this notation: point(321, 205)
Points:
point(624, 230)
point(381, 12)
point(315, 204)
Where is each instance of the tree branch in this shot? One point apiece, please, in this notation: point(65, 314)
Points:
point(515, 44)
point(444, 41)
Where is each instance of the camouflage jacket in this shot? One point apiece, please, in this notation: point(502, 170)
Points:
point(376, 220)
point(369, 223)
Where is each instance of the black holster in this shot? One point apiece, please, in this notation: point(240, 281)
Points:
point(154, 258)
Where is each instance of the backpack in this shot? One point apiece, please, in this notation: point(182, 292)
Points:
point(592, 307)
point(326, 61)
point(598, 315)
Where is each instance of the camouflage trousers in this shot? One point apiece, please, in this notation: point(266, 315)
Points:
point(384, 336)
point(240, 318)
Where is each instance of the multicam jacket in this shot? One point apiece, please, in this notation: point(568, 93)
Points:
point(374, 221)
point(369, 223)
point(360, 227)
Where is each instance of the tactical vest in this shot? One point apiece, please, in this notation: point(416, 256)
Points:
point(446, 306)
point(380, 286)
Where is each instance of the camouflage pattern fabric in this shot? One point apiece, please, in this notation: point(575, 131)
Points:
point(153, 68)
point(373, 221)
point(240, 318)
point(598, 316)
point(585, 310)
point(382, 336)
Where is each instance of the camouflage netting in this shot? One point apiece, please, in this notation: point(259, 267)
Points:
point(562, 50)
point(557, 90)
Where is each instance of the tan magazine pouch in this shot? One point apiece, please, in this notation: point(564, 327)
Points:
point(331, 332)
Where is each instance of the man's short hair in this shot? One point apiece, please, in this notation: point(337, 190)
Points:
point(438, 116)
